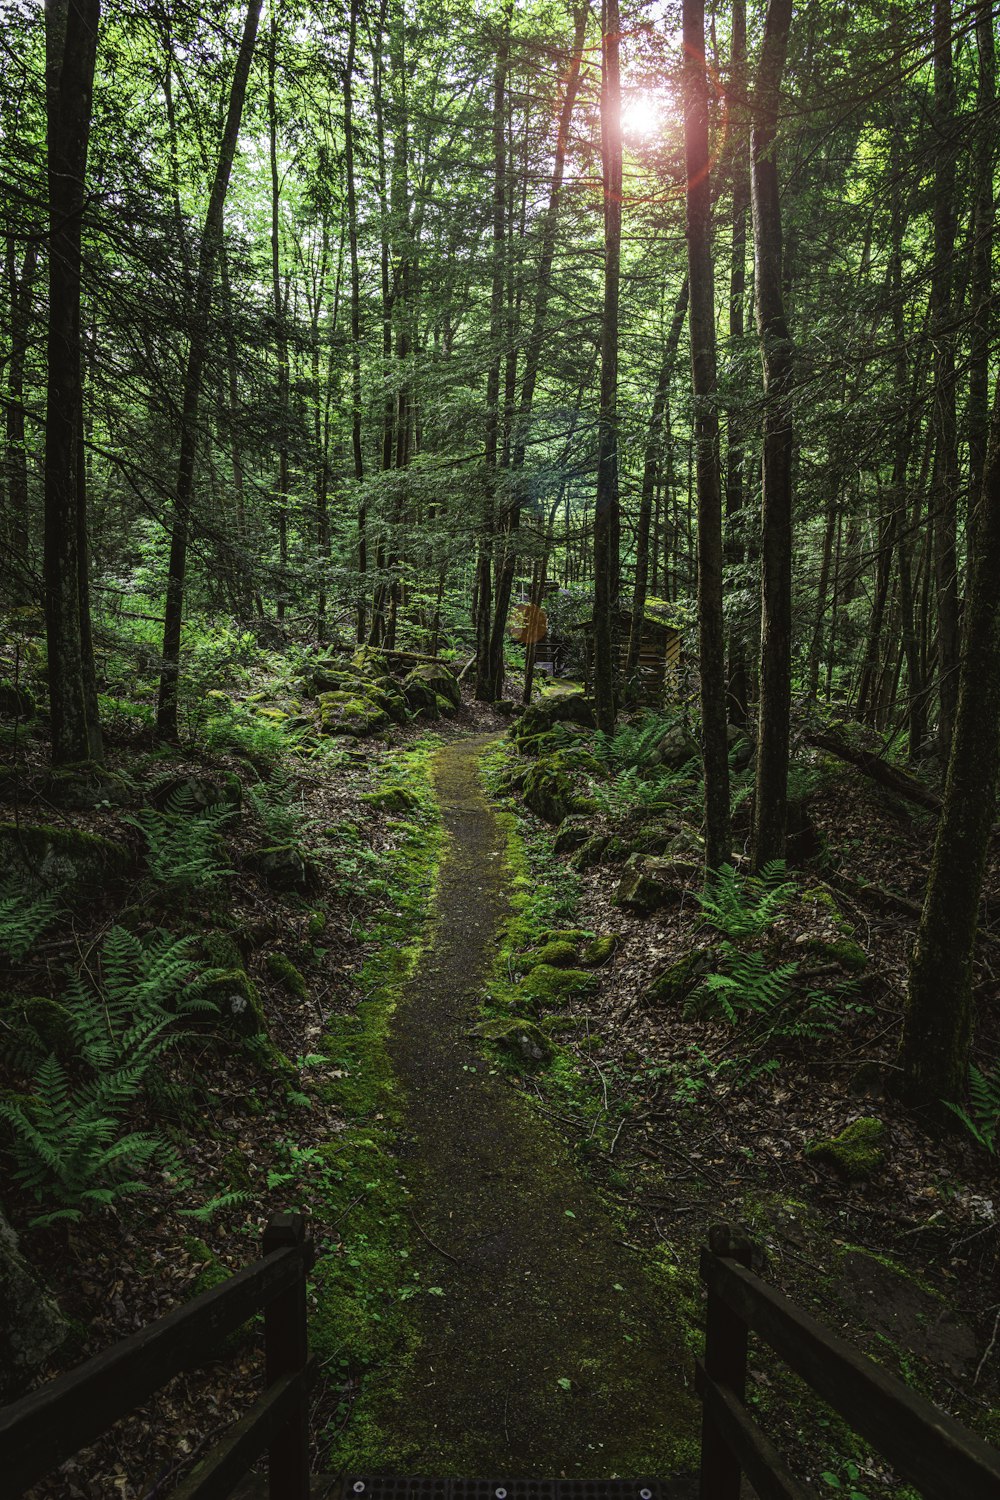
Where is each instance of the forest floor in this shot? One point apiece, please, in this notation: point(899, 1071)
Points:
point(439, 1166)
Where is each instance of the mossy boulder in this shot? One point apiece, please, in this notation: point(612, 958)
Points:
point(549, 793)
point(281, 968)
point(70, 859)
point(84, 786)
point(220, 950)
point(649, 883)
point(554, 708)
point(238, 1002)
point(439, 679)
point(600, 952)
point(559, 955)
point(591, 852)
point(194, 794)
point(284, 868)
point(857, 1152)
point(546, 985)
point(15, 702)
point(520, 1040)
point(574, 831)
point(396, 799)
point(353, 713)
point(574, 935)
point(677, 747)
point(650, 840)
point(672, 985)
point(843, 951)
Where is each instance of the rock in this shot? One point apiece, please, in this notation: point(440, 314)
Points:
point(32, 1323)
point(15, 702)
point(505, 706)
point(549, 792)
point(281, 968)
point(651, 841)
point(573, 831)
point(600, 952)
point(283, 868)
point(649, 883)
point(238, 1001)
point(678, 980)
point(397, 799)
point(559, 955)
point(83, 787)
point(843, 951)
point(420, 698)
point(546, 985)
point(590, 853)
point(555, 708)
point(442, 682)
point(520, 1039)
point(857, 1152)
point(67, 859)
point(677, 747)
point(350, 713)
point(194, 794)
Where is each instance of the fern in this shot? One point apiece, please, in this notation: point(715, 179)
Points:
point(69, 1142)
point(747, 983)
point(744, 906)
point(983, 1123)
point(233, 1199)
point(24, 917)
point(273, 805)
point(183, 845)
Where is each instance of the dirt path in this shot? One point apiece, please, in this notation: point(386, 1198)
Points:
point(540, 1290)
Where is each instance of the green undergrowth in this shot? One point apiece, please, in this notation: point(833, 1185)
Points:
point(361, 1329)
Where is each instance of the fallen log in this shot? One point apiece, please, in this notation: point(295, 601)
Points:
point(878, 770)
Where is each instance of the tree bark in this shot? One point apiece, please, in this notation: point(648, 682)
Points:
point(352, 240)
point(739, 676)
point(606, 499)
point(938, 1023)
point(20, 288)
point(982, 250)
point(771, 789)
point(704, 382)
point(70, 59)
point(281, 335)
point(166, 715)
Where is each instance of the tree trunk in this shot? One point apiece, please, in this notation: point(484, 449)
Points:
point(739, 683)
point(704, 382)
point(70, 58)
point(352, 240)
point(771, 790)
point(278, 302)
point(606, 499)
point(166, 716)
point(20, 289)
point(982, 250)
point(938, 1023)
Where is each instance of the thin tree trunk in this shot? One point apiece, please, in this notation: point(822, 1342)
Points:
point(20, 288)
point(278, 301)
point(166, 717)
point(70, 59)
point(352, 240)
point(739, 685)
point(771, 789)
point(982, 250)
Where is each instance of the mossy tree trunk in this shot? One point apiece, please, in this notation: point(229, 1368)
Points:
point(938, 1024)
point(70, 59)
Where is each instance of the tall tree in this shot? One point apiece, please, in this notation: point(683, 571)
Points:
point(704, 382)
point(166, 715)
point(70, 58)
point(771, 785)
point(606, 499)
point(938, 1023)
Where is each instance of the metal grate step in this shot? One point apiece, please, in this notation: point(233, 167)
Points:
point(367, 1487)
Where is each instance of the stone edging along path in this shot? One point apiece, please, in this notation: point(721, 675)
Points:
point(542, 1353)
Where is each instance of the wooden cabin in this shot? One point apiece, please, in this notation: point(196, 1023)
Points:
point(529, 623)
point(659, 649)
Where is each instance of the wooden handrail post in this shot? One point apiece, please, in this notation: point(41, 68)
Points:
point(726, 1364)
point(286, 1352)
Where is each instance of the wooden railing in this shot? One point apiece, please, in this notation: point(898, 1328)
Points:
point(42, 1430)
point(924, 1446)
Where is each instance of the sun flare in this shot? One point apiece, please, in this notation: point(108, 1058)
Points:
point(641, 117)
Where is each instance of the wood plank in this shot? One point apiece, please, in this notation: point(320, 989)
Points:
point(924, 1445)
point(42, 1430)
point(758, 1458)
point(218, 1473)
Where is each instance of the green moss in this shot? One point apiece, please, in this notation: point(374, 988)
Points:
point(67, 858)
point(600, 951)
point(572, 935)
point(343, 712)
point(220, 951)
point(240, 1008)
point(546, 985)
point(843, 951)
point(521, 1042)
point(398, 799)
point(284, 971)
point(591, 852)
point(317, 924)
point(858, 1151)
point(558, 955)
point(678, 980)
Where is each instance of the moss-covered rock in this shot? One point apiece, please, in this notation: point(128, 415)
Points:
point(673, 985)
point(548, 792)
point(281, 968)
point(396, 799)
point(84, 786)
point(649, 883)
point(573, 832)
point(70, 859)
point(429, 681)
point(559, 955)
point(521, 1040)
point(677, 747)
point(553, 708)
point(843, 951)
point(857, 1152)
point(546, 985)
point(591, 852)
point(345, 712)
point(239, 1003)
point(220, 950)
point(601, 951)
point(317, 924)
point(284, 868)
